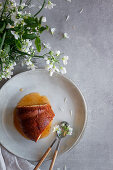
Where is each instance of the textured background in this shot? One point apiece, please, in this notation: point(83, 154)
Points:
point(91, 68)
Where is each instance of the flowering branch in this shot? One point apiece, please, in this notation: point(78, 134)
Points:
point(18, 31)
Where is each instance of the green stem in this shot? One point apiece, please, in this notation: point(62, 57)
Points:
point(3, 39)
point(4, 8)
point(38, 56)
point(40, 8)
point(24, 53)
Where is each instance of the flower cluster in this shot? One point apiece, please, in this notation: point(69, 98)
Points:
point(63, 129)
point(53, 62)
point(19, 30)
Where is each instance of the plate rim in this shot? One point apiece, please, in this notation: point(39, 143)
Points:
point(85, 107)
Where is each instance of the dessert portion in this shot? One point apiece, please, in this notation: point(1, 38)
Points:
point(33, 116)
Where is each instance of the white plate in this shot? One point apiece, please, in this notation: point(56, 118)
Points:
point(56, 88)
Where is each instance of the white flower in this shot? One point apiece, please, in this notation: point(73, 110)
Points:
point(50, 66)
point(52, 30)
point(68, 0)
point(63, 70)
point(67, 17)
point(59, 131)
point(48, 62)
point(23, 5)
point(47, 45)
point(43, 19)
point(55, 128)
point(51, 72)
point(66, 35)
point(70, 130)
point(56, 69)
point(28, 63)
point(13, 4)
point(15, 35)
point(57, 53)
point(50, 5)
point(65, 59)
point(32, 67)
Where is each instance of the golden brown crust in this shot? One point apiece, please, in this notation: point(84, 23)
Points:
point(34, 119)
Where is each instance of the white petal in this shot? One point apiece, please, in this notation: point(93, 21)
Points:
point(81, 11)
point(63, 70)
point(67, 17)
point(51, 73)
point(57, 53)
point(66, 35)
point(43, 19)
point(52, 30)
point(68, 0)
point(48, 62)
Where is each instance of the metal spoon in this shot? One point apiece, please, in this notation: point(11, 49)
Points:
point(59, 137)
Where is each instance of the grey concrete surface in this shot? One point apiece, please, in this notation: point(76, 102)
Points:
point(90, 49)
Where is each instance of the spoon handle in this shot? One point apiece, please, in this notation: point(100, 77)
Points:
point(55, 155)
point(45, 155)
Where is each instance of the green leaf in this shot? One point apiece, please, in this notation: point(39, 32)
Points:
point(7, 48)
point(2, 26)
point(40, 20)
point(29, 36)
point(18, 44)
point(42, 29)
point(31, 22)
point(38, 44)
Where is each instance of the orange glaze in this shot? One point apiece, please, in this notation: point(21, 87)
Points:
point(29, 100)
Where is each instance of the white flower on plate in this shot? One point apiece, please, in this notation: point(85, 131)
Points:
point(65, 99)
point(71, 112)
point(57, 53)
point(48, 62)
point(70, 130)
point(56, 69)
point(63, 70)
point(65, 59)
point(66, 35)
point(51, 72)
point(43, 19)
point(50, 5)
point(49, 66)
point(52, 30)
point(15, 35)
point(55, 128)
point(31, 66)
